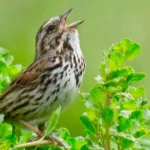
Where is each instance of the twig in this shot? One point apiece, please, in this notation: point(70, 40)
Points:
point(32, 144)
point(102, 140)
point(41, 134)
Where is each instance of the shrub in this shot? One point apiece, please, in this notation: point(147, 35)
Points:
point(117, 115)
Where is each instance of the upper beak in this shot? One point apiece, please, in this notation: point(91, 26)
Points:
point(64, 17)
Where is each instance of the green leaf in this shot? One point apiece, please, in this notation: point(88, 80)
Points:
point(123, 124)
point(121, 73)
point(147, 114)
point(23, 135)
point(84, 95)
point(3, 52)
point(88, 132)
point(92, 145)
point(129, 48)
point(103, 64)
point(87, 123)
point(126, 143)
point(129, 104)
point(99, 79)
point(65, 134)
point(142, 143)
point(12, 139)
point(1, 89)
point(92, 114)
point(77, 142)
point(5, 81)
point(137, 92)
point(136, 115)
point(15, 70)
point(5, 145)
point(9, 59)
point(5, 130)
point(116, 85)
point(116, 61)
point(52, 121)
point(113, 87)
point(141, 101)
point(139, 133)
point(124, 140)
point(123, 135)
point(3, 63)
point(111, 83)
point(107, 114)
point(133, 49)
point(134, 77)
point(97, 95)
point(125, 113)
point(85, 147)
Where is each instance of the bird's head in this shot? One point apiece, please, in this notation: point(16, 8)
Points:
point(55, 31)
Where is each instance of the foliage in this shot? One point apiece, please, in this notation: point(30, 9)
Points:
point(116, 116)
point(7, 70)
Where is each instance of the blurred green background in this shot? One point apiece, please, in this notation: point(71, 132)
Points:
point(106, 22)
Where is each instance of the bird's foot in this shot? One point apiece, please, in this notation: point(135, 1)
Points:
point(32, 139)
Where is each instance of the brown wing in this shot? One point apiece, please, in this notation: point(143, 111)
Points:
point(29, 76)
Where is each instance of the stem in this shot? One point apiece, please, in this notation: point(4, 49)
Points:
point(108, 127)
point(108, 138)
point(118, 147)
point(32, 144)
point(102, 140)
point(107, 100)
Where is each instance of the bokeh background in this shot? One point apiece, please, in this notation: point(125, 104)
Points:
point(106, 22)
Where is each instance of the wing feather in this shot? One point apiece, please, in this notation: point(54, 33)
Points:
point(32, 73)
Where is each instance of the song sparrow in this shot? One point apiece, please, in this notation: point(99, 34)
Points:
point(53, 79)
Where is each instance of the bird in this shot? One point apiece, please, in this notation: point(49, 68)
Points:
point(53, 78)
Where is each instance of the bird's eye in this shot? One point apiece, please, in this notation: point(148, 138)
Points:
point(51, 27)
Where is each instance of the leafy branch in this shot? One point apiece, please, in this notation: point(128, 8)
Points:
point(117, 114)
point(116, 105)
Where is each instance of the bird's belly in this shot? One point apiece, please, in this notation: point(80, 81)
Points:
point(61, 93)
point(65, 95)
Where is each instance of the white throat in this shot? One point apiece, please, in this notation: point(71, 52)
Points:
point(73, 39)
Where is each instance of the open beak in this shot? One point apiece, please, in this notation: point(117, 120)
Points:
point(64, 16)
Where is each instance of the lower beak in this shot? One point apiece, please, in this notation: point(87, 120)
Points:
point(75, 24)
